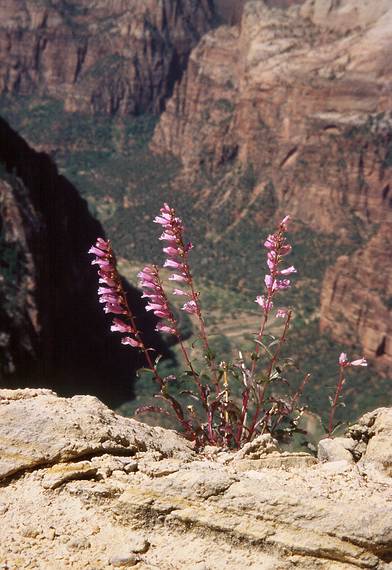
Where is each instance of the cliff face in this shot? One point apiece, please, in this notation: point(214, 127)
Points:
point(111, 57)
point(51, 328)
point(302, 97)
point(357, 297)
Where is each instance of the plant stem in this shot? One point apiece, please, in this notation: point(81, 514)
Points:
point(338, 391)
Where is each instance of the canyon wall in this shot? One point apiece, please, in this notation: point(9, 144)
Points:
point(102, 57)
point(303, 98)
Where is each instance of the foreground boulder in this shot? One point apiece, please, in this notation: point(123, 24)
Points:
point(81, 487)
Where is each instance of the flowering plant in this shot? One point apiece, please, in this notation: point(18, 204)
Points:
point(213, 416)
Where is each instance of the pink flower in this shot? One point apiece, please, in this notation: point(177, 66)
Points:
point(155, 307)
point(116, 309)
point(161, 327)
point(343, 361)
point(168, 236)
point(171, 250)
point(281, 313)
point(131, 341)
point(270, 242)
point(288, 270)
point(102, 244)
point(176, 277)
point(359, 362)
point(179, 292)
point(172, 263)
point(120, 326)
point(164, 220)
point(282, 284)
point(95, 251)
point(190, 307)
point(285, 222)
point(263, 302)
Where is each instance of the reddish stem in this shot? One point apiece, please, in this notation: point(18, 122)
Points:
point(338, 391)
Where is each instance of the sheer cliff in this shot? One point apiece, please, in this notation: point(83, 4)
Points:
point(111, 57)
point(51, 329)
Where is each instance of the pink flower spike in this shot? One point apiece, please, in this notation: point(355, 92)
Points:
point(359, 362)
point(172, 263)
point(343, 359)
point(190, 307)
point(176, 277)
point(288, 271)
point(130, 341)
point(281, 313)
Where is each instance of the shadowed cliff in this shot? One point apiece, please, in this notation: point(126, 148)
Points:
point(53, 332)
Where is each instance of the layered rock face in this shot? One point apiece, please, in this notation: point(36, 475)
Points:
point(52, 331)
point(302, 96)
point(111, 57)
point(82, 487)
point(362, 282)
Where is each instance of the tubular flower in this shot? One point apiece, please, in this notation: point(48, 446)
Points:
point(112, 295)
point(150, 282)
point(344, 362)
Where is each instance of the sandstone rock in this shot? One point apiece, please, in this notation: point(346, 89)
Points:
point(205, 515)
point(379, 447)
point(42, 429)
point(336, 449)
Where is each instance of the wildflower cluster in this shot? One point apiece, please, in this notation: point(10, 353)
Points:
point(214, 416)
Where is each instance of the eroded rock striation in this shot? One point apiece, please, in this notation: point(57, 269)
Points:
point(83, 487)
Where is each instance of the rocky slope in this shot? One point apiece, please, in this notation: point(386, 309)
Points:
point(51, 328)
point(302, 99)
point(84, 488)
point(111, 57)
